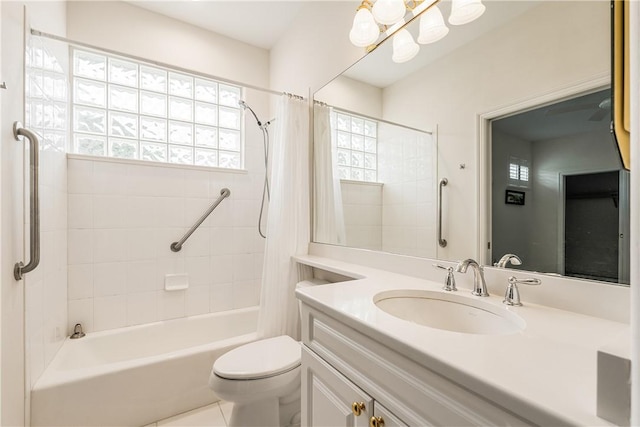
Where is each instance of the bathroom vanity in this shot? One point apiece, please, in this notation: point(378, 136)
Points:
point(363, 366)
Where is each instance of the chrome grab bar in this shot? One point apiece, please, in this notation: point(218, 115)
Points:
point(442, 242)
point(176, 246)
point(34, 202)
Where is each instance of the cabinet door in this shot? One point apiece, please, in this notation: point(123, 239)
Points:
point(329, 399)
point(382, 417)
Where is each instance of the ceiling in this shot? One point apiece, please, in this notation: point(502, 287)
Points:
point(259, 23)
point(574, 116)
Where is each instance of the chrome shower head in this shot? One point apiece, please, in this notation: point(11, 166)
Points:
point(244, 106)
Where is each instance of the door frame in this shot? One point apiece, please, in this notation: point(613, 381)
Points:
point(483, 121)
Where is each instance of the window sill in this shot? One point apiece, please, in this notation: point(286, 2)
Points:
point(350, 181)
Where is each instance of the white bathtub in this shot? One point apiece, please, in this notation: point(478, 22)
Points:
point(140, 374)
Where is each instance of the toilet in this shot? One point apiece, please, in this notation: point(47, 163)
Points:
point(262, 379)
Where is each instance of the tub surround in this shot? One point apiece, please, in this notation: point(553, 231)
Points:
point(545, 374)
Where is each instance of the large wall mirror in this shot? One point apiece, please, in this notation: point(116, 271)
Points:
point(524, 87)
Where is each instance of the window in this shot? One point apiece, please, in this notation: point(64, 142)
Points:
point(356, 145)
point(133, 110)
point(518, 172)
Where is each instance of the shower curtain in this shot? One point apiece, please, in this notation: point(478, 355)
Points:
point(288, 220)
point(328, 212)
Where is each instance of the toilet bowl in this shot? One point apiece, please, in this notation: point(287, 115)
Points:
point(262, 379)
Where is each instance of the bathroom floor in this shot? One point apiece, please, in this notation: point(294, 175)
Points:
point(214, 415)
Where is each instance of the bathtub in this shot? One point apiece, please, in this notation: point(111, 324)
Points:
point(137, 375)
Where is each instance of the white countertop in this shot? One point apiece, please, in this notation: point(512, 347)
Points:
point(545, 373)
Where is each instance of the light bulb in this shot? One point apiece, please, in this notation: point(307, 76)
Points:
point(432, 26)
point(364, 31)
point(465, 11)
point(388, 12)
point(404, 48)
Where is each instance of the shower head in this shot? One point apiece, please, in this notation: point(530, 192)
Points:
point(245, 106)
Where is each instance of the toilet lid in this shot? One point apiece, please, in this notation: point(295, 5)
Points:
point(259, 359)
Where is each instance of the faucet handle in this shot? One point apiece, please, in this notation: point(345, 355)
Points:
point(450, 280)
point(512, 295)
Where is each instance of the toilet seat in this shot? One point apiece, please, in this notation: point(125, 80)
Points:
point(260, 359)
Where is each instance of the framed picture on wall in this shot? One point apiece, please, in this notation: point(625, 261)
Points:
point(512, 197)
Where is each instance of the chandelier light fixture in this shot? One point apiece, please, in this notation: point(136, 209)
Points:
point(374, 17)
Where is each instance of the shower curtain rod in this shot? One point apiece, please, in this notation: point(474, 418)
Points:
point(162, 64)
point(354, 113)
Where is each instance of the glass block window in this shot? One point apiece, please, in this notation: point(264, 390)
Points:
point(46, 87)
point(356, 146)
point(133, 110)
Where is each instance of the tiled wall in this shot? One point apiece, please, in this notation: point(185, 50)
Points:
point(407, 167)
point(362, 204)
point(46, 287)
point(122, 218)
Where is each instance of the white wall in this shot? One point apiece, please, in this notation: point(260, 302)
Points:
point(511, 224)
point(316, 47)
point(118, 243)
point(549, 47)
point(551, 158)
point(353, 95)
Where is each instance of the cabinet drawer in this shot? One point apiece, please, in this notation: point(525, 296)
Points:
point(386, 416)
point(417, 394)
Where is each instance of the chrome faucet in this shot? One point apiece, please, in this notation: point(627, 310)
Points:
point(450, 280)
point(512, 295)
point(479, 285)
point(506, 259)
point(77, 332)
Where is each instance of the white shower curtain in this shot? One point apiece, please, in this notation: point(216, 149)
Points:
point(288, 220)
point(328, 210)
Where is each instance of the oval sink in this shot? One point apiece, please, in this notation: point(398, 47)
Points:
point(451, 312)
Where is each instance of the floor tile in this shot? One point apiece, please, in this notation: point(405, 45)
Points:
point(209, 416)
point(226, 408)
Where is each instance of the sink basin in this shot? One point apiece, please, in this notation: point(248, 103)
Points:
point(449, 311)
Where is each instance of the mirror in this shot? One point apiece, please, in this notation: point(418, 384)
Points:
point(516, 57)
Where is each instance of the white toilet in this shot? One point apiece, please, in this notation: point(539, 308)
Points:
point(262, 379)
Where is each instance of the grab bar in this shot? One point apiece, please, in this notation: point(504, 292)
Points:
point(176, 246)
point(34, 202)
point(442, 242)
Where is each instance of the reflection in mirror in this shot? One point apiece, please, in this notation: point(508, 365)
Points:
point(516, 52)
point(373, 183)
point(560, 197)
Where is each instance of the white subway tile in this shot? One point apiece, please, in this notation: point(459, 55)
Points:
point(80, 281)
point(80, 213)
point(243, 266)
point(141, 212)
point(221, 241)
point(109, 279)
point(195, 208)
point(171, 305)
point(197, 300)
point(143, 276)
point(244, 240)
point(245, 294)
point(79, 176)
point(109, 211)
point(223, 215)
point(142, 307)
point(222, 269)
point(109, 312)
point(196, 184)
point(218, 181)
point(170, 212)
point(173, 265)
point(221, 297)
point(165, 237)
point(142, 244)
point(109, 178)
point(245, 213)
point(109, 245)
point(80, 311)
point(199, 270)
point(155, 181)
point(80, 250)
point(199, 244)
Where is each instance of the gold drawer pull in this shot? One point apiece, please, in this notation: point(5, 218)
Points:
point(376, 422)
point(357, 408)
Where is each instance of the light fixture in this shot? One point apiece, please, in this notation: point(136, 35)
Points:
point(404, 48)
point(432, 27)
point(465, 11)
point(365, 30)
point(389, 17)
point(388, 12)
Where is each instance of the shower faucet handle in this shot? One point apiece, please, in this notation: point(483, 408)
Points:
point(512, 295)
point(450, 280)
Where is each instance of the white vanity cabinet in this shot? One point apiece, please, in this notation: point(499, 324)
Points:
point(346, 373)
